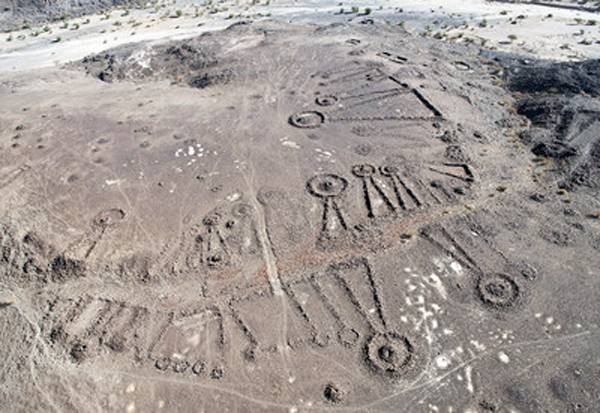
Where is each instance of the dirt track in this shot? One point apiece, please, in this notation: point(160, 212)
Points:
point(292, 218)
point(526, 29)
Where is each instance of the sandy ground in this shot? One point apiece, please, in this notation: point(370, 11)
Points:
point(539, 31)
point(301, 217)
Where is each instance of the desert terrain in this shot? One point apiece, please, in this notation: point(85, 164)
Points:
point(300, 206)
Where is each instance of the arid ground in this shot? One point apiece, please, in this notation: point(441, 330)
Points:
point(290, 207)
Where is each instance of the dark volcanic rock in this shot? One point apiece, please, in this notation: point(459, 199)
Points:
point(556, 78)
point(561, 102)
point(193, 62)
